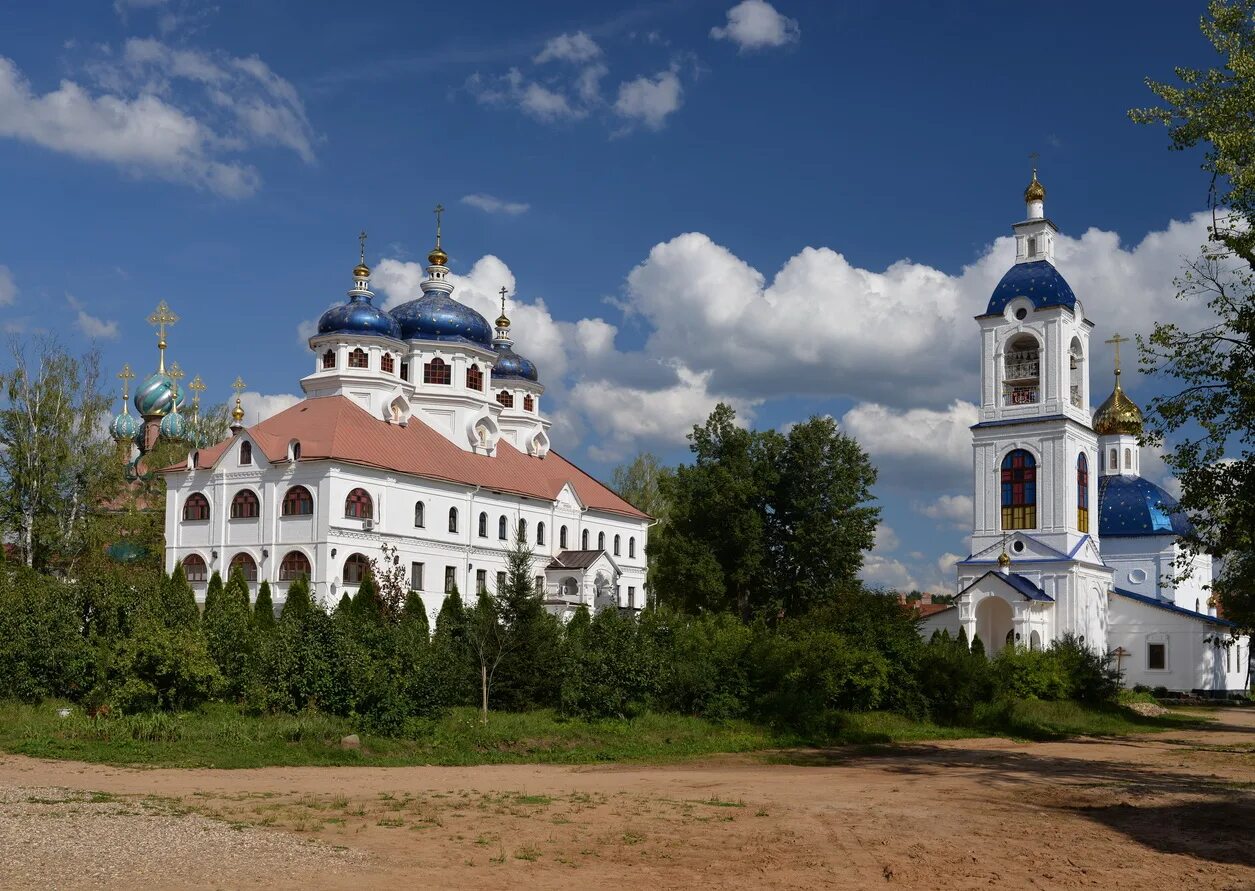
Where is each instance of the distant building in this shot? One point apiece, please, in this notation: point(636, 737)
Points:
point(1068, 538)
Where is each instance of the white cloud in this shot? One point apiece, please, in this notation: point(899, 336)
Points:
point(957, 510)
point(259, 406)
point(490, 204)
point(885, 572)
point(756, 25)
point(175, 114)
point(577, 47)
point(90, 326)
point(886, 539)
point(8, 287)
point(535, 99)
point(648, 100)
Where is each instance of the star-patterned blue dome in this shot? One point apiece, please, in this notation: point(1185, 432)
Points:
point(510, 364)
point(1130, 506)
point(437, 316)
point(358, 316)
point(1039, 281)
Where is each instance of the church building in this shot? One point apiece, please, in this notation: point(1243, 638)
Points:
point(421, 443)
point(1068, 538)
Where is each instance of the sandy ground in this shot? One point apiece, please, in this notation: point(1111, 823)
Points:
point(1172, 810)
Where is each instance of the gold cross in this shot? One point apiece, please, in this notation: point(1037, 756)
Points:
point(503, 299)
point(1116, 341)
point(197, 386)
point(238, 386)
point(126, 376)
point(162, 317)
point(176, 372)
point(361, 240)
point(439, 211)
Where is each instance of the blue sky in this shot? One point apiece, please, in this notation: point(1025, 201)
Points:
point(795, 206)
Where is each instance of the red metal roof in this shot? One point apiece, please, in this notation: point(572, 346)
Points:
point(334, 428)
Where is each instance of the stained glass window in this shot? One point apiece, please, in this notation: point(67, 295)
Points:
point(1019, 491)
point(1082, 493)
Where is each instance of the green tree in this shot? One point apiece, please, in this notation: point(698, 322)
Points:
point(367, 605)
point(56, 463)
point(264, 610)
point(229, 633)
point(1210, 418)
point(178, 601)
point(298, 600)
point(641, 483)
point(526, 679)
point(489, 640)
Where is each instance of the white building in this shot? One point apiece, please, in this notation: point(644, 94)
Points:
point(1067, 537)
point(421, 443)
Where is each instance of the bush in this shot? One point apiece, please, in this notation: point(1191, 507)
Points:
point(157, 668)
point(702, 662)
point(42, 650)
point(953, 679)
point(1065, 670)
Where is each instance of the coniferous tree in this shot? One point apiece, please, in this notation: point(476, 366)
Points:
point(213, 598)
point(368, 606)
point(298, 602)
point(228, 631)
point(264, 610)
point(526, 678)
point(344, 609)
point(978, 647)
point(453, 668)
point(179, 601)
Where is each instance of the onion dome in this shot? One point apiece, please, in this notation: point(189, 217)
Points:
point(1035, 191)
point(510, 364)
point(158, 395)
point(124, 426)
point(437, 316)
point(1132, 506)
point(173, 427)
point(359, 315)
point(1039, 281)
point(1119, 415)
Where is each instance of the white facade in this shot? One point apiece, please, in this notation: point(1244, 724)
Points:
point(333, 498)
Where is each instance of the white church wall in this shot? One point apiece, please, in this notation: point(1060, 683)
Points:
point(1193, 661)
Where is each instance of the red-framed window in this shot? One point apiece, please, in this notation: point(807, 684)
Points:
point(294, 565)
point(194, 568)
point(358, 359)
point(358, 505)
point(246, 564)
point(196, 507)
point(437, 371)
point(329, 359)
point(387, 363)
point(297, 502)
point(529, 404)
point(245, 506)
point(474, 378)
point(506, 399)
point(355, 569)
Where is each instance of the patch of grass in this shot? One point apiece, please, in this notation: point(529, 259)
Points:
point(1037, 720)
point(531, 855)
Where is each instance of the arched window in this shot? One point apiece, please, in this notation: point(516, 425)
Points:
point(245, 506)
point(601, 541)
point(540, 533)
point(1082, 493)
point(453, 519)
point(632, 546)
point(529, 404)
point(1114, 463)
point(1128, 459)
point(523, 529)
point(194, 568)
point(294, 450)
point(357, 359)
point(437, 372)
point(1019, 491)
point(506, 399)
point(329, 359)
point(420, 515)
point(1076, 362)
point(562, 537)
point(474, 378)
point(1022, 371)
point(616, 545)
point(196, 507)
point(294, 565)
point(483, 525)
point(246, 452)
point(355, 569)
point(358, 505)
point(245, 564)
point(501, 528)
point(386, 364)
point(584, 540)
point(297, 502)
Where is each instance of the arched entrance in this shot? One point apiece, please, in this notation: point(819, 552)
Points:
point(993, 623)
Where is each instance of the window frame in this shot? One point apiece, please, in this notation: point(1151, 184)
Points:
point(438, 372)
point(247, 562)
point(351, 560)
point(288, 497)
point(1018, 494)
point(505, 398)
point(328, 360)
point(359, 358)
point(453, 520)
point(1082, 493)
point(475, 378)
point(236, 502)
point(286, 575)
point(204, 569)
point(420, 514)
point(354, 502)
point(202, 503)
point(387, 364)
point(1163, 655)
point(246, 454)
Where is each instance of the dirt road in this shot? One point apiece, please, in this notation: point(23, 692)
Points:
point(1172, 810)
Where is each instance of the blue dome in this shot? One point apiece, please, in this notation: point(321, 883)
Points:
point(437, 316)
point(157, 394)
point(358, 316)
point(1129, 505)
point(510, 364)
point(1039, 281)
point(124, 427)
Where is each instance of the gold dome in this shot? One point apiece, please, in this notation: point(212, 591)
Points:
point(438, 257)
point(237, 413)
point(361, 270)
point(1035, 191)
point(1118, 415)
point(1004, 560)
point(502, 321)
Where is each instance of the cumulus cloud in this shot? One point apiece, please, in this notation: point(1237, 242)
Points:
point(957, 510)
point(90, 326)
point(259, 406)
point(577, 47)
point(648, 100)
point(493, 205)
point(536, 100)
point(756, 25)
point(176, 114)
point(8, 287)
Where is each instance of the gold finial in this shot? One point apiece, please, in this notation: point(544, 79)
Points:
point(1004, 560)
point(438, 257)
point(237, 413)
point(1118, 414)
point(161, 317)
point(197, 386)
point(1035, 191)
point(126, 376)
point(503, 321)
